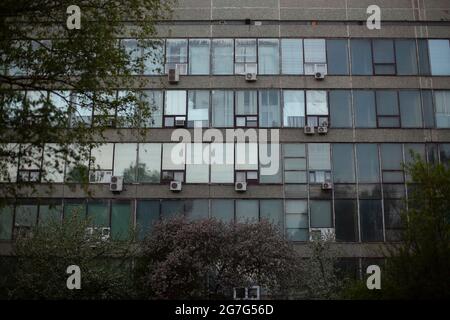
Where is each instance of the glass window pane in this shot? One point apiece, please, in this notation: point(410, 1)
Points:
point(321, 216)
point(361, 52)
point(368, 166)
point(292, 56)
point(315, 51)
point(102, 157)
point(371, 220)
point(316, 102)
point(196, 209)
point(270, 164)
point(50, 213)
point(222, 162)
point(340, 108)
point(222, 108)
point(343, 163)
point(6, 222)
point(172, 208)
point(268, 56)
point(98, 213)
point(245, 51)
point(391, 156)
point(9, 162)
point(246, 102)
point(424, 60)
point(346, 220)
point(439, 57)
point(427, 107)
point(120, 220)
point(337, 54)
point(175, 102)
point(247, 211)
point(197, 168)
point(387, 103)
point(269, 112)
point(154, 99)
point(444, 153)
point(147, 213)
point(319, 156)
point(154, 58)
point(442, 99)
point(199, 50)
point(297, 224)
point(383, 51)
point(198, 109)
point(149, 167)
point(272, 210)
point(294, 108)
point(72, 209)
point(406, 56)
point(392, 219)
point(222, 56)
point(222, 210)
point(364, 106)
point(174, 156)
point(125, 161)
point(410, 109)
point(246, 156)
point(176, 51)
point(294, 150)
point(53, 163)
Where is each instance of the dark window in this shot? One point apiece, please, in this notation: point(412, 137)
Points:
point(196, 209)
point(406, 56)
point(340, 108)
point(392, 219)
point(272, 210)
point(391, 162)
point(294, 163)
point(98, 212)
point(383, 57)
point(444, 152)
point(120, 220)
point(424, 60)
point(428, 110)
point(387, 109)
point(368, 166)
point(172, 208)
point(6, 222)
point(343, 163)
point(361, 52)
point(247, 211)
point(337, 55)
point(297, 226)
point(147, 213)
point(346, 220)
point(222, 210)
point(371, 220)
point(321, 216)
point(364, 106)
point(410, 109)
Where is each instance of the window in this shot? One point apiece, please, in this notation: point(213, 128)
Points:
point(247, 211)
point(292, 56)
point(321, 216)
point(368, 166)
point(268, 56)
point(222, 108)
point(147, 213)
point(340, 108)
point(383, 57)
point(25, 219)
point(199, 50)
point(410, 109)
point(387, 109)
point(222, 210)
point(270, 163)
point(60, 101)
point(175, 107)
point(442, 99)
point(196, 209)
point(173, 162)
point(6, 222)
point(439, 57)
point(364, 105)
point(74, 208)
point(319, 163)
point(8, 172)
point(337, 54)
point(154, 99)
point(246, 162)
point(222, 56)
point(424, 59)
point(391, 162)
point(245, 56)
point(77, 164)
point(30, 162)
point(297, 225)
point(81, 113)
point(127, 111)
point(343, 163)
point(176, 54)
point(154, 58)
point(406, 57)
point(392, 218)
point(197, 169)
point(172, 208)
point(371, 220)
point(269, 112)
point(51, 211)
point(98, 213)
point(246, 109)
point(315, 56)
point(294, 163)
point(272, 210)
point(53, 163)
point(134, 53)
point(361, 52)
point(427, 108)
point(444, 153)
point(149, 163)
point(120, 219)
point(346, 220)
point(101, 164)
point(198, 109)
point(316, 108)
point(125, 161)
point(222, 162)
point(294, 108)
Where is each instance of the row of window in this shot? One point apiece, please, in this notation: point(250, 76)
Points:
point(291, 56)
point(223, 163)
point(268, 108)
point(298, 217)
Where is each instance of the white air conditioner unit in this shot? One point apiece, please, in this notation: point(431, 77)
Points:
point(240, 186)
point(319, 75)
point(320, 70)
point(327, 185)
point(180, 122)
point(106, 233)
point(175, 186)
point(316, 234)
point(173, 74)
point(250, 77)
point(309, 130)
point(116, 184)
point(322, 130)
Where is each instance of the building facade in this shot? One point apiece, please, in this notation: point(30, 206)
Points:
point(366, 96)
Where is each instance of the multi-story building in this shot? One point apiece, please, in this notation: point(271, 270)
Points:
point(349, 103)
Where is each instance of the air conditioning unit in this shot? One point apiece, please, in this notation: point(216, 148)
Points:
point(322, 130)
point(317, 234)
point(180, 122)
point(116, 184)
point(309, 130)
point(105, 233)
point(319, 75)
point(250, 77)
point(327, 185)
point(175, 186)
point(324, 123)
point(240, 186)
point(173, 74)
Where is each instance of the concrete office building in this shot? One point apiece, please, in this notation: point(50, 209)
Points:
point(259, 64)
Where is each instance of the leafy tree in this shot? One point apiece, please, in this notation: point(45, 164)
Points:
point(420, 267)
point(40, 55)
